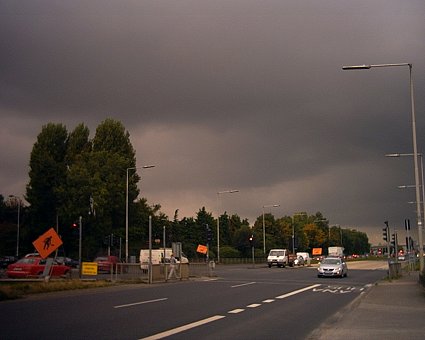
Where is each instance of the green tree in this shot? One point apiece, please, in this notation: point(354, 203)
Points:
point(315, 236)
point(47, 174)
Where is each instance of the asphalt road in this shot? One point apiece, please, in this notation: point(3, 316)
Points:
point(242, 302)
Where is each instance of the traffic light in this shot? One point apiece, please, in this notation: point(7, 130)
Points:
point(385, 234)
point(251, 240)
point(74, 225)
point(407, 224)
point(209, 233)
point(393, 239)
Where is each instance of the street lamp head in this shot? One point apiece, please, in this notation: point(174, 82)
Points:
point(227, 192)
point(356, 67)
point(148, 166)
point(392, 155)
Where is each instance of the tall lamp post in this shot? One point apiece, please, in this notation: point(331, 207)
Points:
point(264, 224)
point(218, 219)
point(415, 148)
point(413, 186)
point(126, 207)
point(17, 199)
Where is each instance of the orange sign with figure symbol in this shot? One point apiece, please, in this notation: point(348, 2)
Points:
point(47, 243)
point(202, 249)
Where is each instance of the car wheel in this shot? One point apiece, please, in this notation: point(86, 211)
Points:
point(270, 265)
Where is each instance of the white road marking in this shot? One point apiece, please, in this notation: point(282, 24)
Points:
point(140, 303)
point(236, 311)
point(217, 317)
point(183, 328)
point(296, 292)
point(243, 284)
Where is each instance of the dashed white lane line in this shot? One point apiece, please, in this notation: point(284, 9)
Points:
point(140, 303)
point(218, 317)
point(296, 291)
point(235, 311)
point(243, 284)
point(254, 305)
point(184, 328)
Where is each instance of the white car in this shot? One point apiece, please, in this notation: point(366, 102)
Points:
point(332, 267)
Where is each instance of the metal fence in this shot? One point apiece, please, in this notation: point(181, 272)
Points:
point(135, 272)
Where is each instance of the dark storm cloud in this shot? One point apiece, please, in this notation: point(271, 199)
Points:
point(246, 94)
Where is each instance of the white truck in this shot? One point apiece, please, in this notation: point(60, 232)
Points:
point(158, 257)
point(336, 251)
point(280, 258)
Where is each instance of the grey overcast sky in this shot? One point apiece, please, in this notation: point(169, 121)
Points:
point(227, 94)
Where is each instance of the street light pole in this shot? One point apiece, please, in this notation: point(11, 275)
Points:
point(415, 149)
point(264, 224)
point(18, 200)
point(126, 206)
point(413, 186)
point(218, 219)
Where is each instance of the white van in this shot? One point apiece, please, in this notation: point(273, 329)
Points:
point(158, 257)
point(306, 257)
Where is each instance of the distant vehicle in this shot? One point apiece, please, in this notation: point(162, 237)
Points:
point(106, 264)
point(158, 257)
point(34, 266)
point(280, 258)
point(299, 261)
point(305, 256)
point(6, 260)
point(32, 255)
point(67, 261)
point(335, 251)
point(332, 266)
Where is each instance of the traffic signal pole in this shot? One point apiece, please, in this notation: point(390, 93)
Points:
point(386, 237)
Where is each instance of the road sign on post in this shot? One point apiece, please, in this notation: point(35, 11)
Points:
point(47, 243)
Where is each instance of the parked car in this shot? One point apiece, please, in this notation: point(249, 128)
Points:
point(299, 261)
point(67, 261)
point(106, 263)
point(332, 267)
point(33, 267)
point(6, 260)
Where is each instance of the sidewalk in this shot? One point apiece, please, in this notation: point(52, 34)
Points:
point(389, 310)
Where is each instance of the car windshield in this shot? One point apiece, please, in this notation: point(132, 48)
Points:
point(101, 259)
point(27, 260)
point(276, 253)
point(331, 261)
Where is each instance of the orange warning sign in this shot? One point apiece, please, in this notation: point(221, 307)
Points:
point(47, 243)
point(202, 249)
point(317, 251)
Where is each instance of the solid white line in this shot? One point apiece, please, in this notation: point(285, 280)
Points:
point(183, 328)
point(296, 292)
point(243, 284)
point(139, 303)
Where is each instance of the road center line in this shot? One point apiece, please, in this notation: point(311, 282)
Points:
point(140, 303)
point(183, 328)
point(243, 284)
point(296, 292)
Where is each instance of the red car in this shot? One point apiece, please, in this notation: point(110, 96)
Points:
point(106, 263)
point(34, 266)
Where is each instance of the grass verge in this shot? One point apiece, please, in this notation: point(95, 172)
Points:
point(16, 290)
